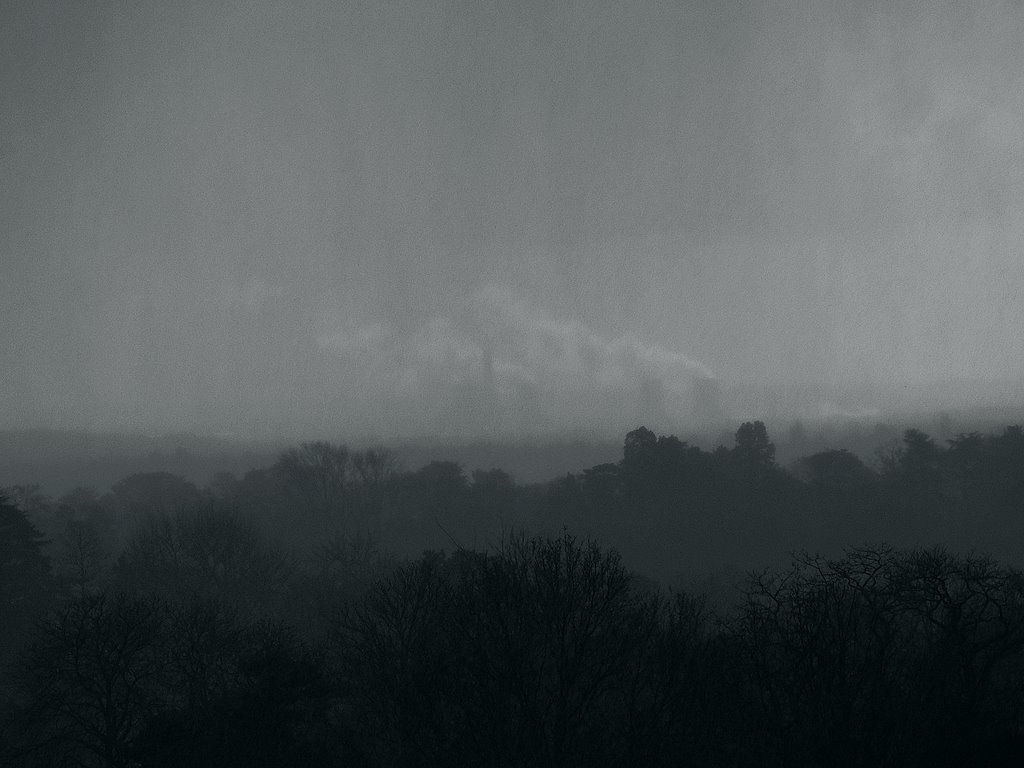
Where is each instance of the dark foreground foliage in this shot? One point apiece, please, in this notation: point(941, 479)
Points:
point(547, 652)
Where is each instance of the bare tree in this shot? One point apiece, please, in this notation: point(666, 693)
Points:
point(204, 553)
point(86, 560)
point(544, 653)
point(373, 470)
point(316, 474)
point(94, 673)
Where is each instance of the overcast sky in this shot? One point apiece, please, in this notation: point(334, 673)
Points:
point(264, 216)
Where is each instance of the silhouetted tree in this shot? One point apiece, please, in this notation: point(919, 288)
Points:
point(317, 475)
point(84, 565)
point(24, 569)
point(256, 697)
point(882, 656)
point(753, 445)
point(341, 570)
point(208, 553)
point(395, 661)
point(139, 497)
point(843, 498)
point(26, 583)
point(373, 472)
point(545, 653)
point(94, 672)
point(30, 499)
point(638, 447)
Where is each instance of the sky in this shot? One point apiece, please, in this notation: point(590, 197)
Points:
point(413, 217)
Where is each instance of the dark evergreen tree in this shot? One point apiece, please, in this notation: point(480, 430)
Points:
point(26, 582)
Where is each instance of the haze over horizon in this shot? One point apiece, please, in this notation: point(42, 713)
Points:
point(490, 219)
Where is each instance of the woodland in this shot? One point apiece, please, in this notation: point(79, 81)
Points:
point(679, 606)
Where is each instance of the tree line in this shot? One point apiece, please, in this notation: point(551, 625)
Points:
point(335, 609)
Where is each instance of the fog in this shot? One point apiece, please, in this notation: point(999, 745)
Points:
point(489, 219)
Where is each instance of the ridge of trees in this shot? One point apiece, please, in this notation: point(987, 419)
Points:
point(335, 608)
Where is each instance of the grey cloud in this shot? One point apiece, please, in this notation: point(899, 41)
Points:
point(519, 369)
